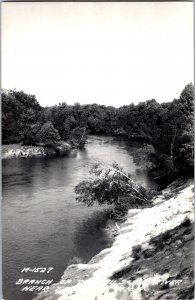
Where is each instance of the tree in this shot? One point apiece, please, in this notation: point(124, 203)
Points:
point(78, 136)
point(111, 185)
point(48, 135)
point(187, 97)
point(19, 112)
point(31, 134)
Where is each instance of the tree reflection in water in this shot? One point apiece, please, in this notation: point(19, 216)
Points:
point(88, 232)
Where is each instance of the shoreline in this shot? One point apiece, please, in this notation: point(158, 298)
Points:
point(111, 273)
point(21, 151)
point(10, 151)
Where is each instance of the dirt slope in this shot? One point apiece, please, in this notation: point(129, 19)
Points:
point(151, 257)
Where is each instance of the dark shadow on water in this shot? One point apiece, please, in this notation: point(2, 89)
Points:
point(83, 152)
point(39, 205)
point(90, 236)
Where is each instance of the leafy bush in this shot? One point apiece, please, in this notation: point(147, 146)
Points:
point(30, 134)
point(121, 209)
point(19, 112)
point(78, 136)
point(48, 135)
point(111, 185)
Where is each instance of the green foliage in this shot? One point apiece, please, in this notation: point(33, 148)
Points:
point(175, 140)
point(111, 185)
point(169, 129)
point(48, 135)
point(19, 112)
point(78, 136)
point(162, 169)
point(187, 97)
point(120, 209)
point(30, 134)
point(166, 127)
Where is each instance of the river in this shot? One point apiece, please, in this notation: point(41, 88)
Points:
point(43, 225)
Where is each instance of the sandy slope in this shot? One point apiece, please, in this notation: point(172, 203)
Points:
point(152, 245)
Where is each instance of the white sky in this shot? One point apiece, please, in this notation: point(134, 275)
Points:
point(107, 53)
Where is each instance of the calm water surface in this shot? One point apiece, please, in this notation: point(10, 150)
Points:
point(43, 225)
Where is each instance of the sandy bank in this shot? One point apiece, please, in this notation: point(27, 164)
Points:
point(151, 257)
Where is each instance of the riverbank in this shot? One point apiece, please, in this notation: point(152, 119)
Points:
point(17, 150)
point(151, 257)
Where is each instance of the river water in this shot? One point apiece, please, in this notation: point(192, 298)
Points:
point(43, 225)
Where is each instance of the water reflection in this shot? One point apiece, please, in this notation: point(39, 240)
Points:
point(43, 225)
point(91, 234)
point(73, 153)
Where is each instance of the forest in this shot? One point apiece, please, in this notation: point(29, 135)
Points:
point(165, 130)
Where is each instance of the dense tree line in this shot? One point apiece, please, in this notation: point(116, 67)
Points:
point(168, 127)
